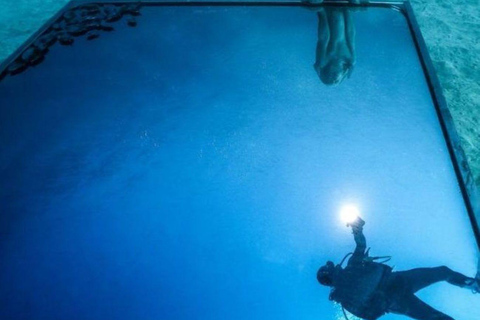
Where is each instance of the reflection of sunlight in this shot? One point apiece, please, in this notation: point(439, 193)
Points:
point(349, 213)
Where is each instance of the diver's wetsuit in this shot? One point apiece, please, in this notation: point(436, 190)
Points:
point(369, 290)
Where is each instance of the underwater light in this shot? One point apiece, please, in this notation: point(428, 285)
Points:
point(349, 213)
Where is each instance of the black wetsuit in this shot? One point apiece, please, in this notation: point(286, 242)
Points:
point(369, 290)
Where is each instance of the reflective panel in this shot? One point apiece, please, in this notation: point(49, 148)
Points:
point(202, 162)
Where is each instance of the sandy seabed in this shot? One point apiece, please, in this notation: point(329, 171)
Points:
point(451, 29)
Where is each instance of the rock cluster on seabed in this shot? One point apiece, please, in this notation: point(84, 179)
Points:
point(87, 20)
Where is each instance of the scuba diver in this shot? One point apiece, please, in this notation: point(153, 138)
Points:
point(370, 289)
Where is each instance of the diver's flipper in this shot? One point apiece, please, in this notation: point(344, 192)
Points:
point(474, 285)
point(478, 269)
point(477, 278)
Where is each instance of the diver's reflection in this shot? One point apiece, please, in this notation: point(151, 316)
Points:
point(335, 54)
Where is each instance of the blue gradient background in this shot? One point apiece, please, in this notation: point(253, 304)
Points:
point(194, 167)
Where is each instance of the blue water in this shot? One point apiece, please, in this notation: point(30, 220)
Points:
point(194, 167)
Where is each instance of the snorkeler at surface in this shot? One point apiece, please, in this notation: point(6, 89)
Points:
point(335, 53)
point(370, 289)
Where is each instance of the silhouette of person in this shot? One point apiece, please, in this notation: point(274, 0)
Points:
point(370, 289)
point(335, 52)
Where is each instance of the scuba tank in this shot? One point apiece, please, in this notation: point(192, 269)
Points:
point(366, 259)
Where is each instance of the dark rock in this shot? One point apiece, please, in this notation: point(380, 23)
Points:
point(33, 56)
point(93, 25)
point(17, 67)
point(105, 26)
point(133, 12)
point(132, 22)
point(101, 16)
point(45, 41)
point(70, 15)
point(37, 59)
point(3, 74)
point(91, 8)
point(113, 17)
point(108, 8)
point(91, 18)
point(60, 25)
point(30, 53)
point(112, 13)
point(75, 21)
point(132, 8)
point(56, 26)
point(65, 39)
point(92, 35)
point(82, 13)
point(76, 29)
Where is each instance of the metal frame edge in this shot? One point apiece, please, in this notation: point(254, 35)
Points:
point(457, 155)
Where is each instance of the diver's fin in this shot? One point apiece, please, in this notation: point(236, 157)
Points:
point(474, 285)
point(478, 269)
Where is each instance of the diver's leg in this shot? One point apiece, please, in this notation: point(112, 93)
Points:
point(336, 22)
point(323, 38)
point(415, 308)
point(417, 279)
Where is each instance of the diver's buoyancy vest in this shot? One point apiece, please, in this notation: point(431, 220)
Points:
point(360, 289)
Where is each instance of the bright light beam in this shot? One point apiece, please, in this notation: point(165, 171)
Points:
point(349, 213)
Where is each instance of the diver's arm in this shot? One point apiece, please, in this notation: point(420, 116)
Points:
point(360, 240)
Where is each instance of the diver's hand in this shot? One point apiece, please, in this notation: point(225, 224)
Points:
point(357, 225)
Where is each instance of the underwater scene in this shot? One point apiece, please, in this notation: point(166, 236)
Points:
point(229, 162)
